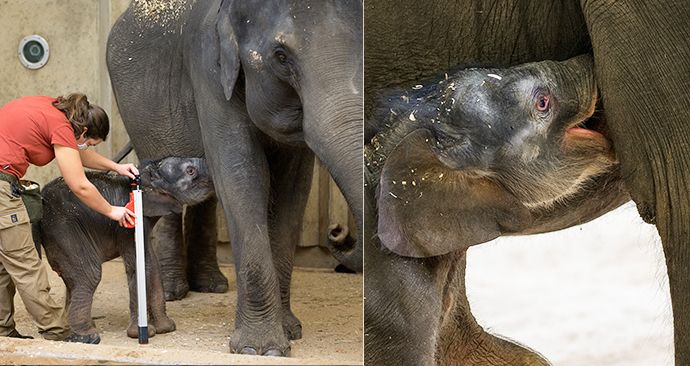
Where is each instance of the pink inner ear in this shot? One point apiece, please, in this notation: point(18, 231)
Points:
point(427, 209)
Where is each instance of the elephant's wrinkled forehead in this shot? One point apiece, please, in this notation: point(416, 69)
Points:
point(479, 93)
point(171, 167)
point(293, 21)
point(175, 164)
point(492, 108)
point(494, 92)
point(491, 81)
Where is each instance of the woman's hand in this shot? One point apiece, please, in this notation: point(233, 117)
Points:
point(121, 215)
point(128, 170)
point(94, 160)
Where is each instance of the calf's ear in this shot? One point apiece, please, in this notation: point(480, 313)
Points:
point(427, 209)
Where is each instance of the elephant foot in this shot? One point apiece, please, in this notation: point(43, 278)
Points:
point(175, 286)
point(340, 268)
point(291, 325)
point(208, 279)
point(259, 340)
point(133, 330)
point(83, 338)
point(81, 329)
point(164, 325)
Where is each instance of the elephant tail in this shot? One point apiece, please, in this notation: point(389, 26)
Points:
point(344, 247)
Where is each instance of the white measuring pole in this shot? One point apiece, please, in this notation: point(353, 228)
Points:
point(141, 265)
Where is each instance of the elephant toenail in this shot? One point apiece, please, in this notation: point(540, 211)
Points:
point(248, 351)
point(273, 352)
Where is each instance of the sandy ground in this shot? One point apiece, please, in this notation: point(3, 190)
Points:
point(328, 304)
point(593, 295)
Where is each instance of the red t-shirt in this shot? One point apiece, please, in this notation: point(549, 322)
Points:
point(29, 127)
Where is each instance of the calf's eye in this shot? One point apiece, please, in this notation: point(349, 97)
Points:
point(190, 170)
point(542, 104)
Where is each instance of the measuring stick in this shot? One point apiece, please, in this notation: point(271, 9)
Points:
point(141, 262)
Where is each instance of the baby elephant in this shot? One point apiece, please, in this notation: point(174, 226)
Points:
point(77, 239)
point(459, 161)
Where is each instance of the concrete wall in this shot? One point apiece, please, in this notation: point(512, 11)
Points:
point(77, 32)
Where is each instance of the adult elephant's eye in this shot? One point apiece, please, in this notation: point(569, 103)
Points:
point(191, 171)
point(542, 104)
point(280, 55)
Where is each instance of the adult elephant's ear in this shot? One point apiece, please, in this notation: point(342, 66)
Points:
point(427, 209)
point(229, 51)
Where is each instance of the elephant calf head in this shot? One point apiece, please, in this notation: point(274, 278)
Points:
point(172, 182)
point(472, 156)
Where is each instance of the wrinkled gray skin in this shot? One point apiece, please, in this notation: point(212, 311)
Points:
point(77, 239)
point(641, 56)
point(460, 161)
point(257, 88)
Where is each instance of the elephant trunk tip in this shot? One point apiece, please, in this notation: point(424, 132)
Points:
point(339, 237)
point(344, 248)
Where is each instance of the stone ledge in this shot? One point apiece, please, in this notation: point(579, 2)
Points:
point(38, 351)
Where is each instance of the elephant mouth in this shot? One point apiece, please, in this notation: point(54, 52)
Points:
point(591, 127)
point(590, 130)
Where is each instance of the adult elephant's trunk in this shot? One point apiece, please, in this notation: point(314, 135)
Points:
point(333, 120)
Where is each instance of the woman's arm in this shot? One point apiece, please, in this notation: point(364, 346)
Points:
point(94, 160)
point(71, 168)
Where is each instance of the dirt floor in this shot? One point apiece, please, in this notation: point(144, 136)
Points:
point(328, 304)
point(593, 295)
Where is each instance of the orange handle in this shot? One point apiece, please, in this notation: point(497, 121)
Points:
point(130, 206)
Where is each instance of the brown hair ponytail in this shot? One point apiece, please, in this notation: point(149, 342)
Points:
point(80, 113)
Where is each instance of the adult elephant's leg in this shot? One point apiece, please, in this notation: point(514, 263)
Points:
point(201, 230)
point(642, 63)
point(291, 172)
point(167, 240)
point(241, 177)
point(462, 341)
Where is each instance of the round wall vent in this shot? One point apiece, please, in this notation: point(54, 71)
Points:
point(33, 52)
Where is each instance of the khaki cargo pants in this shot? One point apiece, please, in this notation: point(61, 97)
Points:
point(21, 269)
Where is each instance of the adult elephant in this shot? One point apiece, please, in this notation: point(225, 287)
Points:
point(642, 59)
point(257, 88)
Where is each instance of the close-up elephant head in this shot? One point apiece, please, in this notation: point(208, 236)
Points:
point(302, 82)
point(484, 152)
